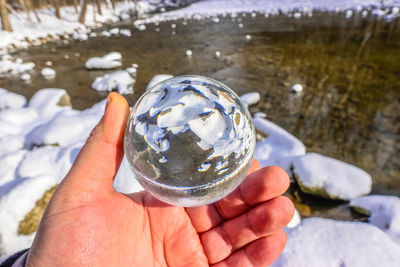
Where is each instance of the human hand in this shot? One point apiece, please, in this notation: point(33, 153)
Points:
point(88, 223)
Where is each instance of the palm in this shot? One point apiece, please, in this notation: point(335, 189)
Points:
point(88, 223)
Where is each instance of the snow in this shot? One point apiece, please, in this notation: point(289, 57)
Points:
point(217, 54)
point(384, 213)
point(39, 141)
point(189, 53)
point(48, 73)
point(157, 79)
point(25, 77)
point(330, 178)
point(22, 193)
point(212, 8)
point(120, 81)
point(101, 63)
point(279, 147)
point(251, 99)
point(109, 61)
point(27, 33)
point(325, 242)
point(295, 221)
point(10, 66)
point(11, 100)
point(125, 32)
point(46, 101)
point(125, 180)
point(297, 88)
point(113, 56)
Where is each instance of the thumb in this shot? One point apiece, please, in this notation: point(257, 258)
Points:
point(100, 158)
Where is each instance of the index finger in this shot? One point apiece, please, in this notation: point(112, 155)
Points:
point(258, 187)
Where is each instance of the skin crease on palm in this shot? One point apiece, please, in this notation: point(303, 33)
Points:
point(88, 223)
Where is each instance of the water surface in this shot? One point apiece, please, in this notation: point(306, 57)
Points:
point(349, 67)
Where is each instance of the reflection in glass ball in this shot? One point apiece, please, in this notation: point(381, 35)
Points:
point(189, 140)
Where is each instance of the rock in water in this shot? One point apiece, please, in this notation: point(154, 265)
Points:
point(330, 178)
point(120, 81)
point(189, 140)
point(251, 98)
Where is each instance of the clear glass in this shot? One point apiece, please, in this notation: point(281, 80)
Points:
point(189, 140)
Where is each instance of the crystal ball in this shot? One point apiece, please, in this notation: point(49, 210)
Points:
point(189, 140)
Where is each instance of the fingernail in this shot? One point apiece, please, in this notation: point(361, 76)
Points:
point(109, 98)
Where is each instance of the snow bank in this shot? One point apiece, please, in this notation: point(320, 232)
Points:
point(109, 61)
point(384, 213)
point(65, 128)
point(251, 98)
point(325, 242)
point(120, 81)
point(27, 33)
point(157, 79)
point(212, 8)
point(17, 198)
point(11, 100)
point(39, 141)
point(330, 178)
point(279, 147)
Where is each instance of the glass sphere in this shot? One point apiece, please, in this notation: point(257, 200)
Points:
point(189, 140)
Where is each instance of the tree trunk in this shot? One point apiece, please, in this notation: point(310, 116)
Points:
point(24, 5)
point(83, 12)
point(5, 22)
point(75, 4)
point(29, 7)
point(57, 8)
point(98, 4)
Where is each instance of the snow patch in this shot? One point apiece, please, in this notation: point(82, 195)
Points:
point(384, 213)
point(109, 61)
point(157, 79)
point(120, 81)
point(279, 147)
point(330, 178)
point(326, 242)
point(251, 99)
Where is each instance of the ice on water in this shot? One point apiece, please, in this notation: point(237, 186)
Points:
point(190, 140)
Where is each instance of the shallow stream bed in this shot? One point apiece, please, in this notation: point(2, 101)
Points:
point(349, 67)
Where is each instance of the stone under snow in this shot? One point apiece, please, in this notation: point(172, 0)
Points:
point(48, 72)
point(120, 81)
point(326, 242)
point(279, 147)
point(251, 98)
point(330, 178)
point(384, 212)
point(109, 61)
